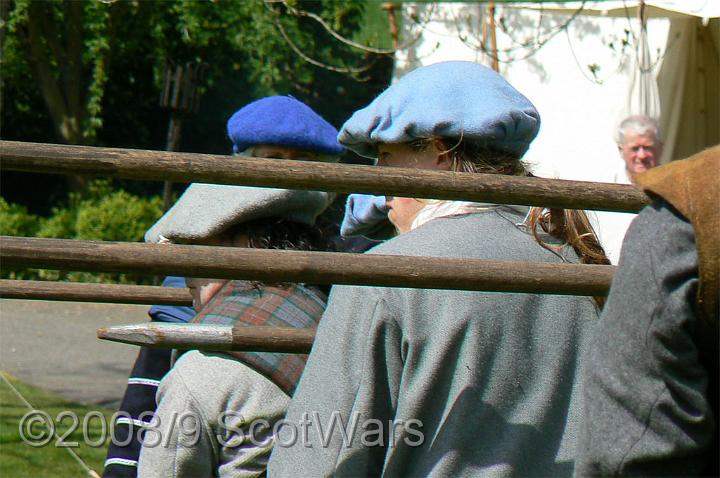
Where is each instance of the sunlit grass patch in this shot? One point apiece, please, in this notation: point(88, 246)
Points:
point(20, 459)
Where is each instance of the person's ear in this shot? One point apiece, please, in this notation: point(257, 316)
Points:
point(444, 156)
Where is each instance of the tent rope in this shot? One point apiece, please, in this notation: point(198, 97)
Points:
point(89, 471)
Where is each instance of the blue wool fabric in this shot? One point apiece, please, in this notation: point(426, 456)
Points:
point(454, 99)
point(172, 313)
point(366, 215)
point(282, 121)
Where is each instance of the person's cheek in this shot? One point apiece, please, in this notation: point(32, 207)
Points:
point(209, 290)
point(392, 216)
point(196, 299)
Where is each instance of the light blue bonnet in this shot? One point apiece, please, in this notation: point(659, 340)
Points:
point(454, 99)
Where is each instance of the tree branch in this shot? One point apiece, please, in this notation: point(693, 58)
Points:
point(52, 35)
point(312, 61)
point(4, 14)
point(37, 57)
point(96, 90)
point(73, 84)
point(347, 41)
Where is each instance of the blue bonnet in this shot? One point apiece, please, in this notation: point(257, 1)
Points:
point(454, 99)
point(282, 121)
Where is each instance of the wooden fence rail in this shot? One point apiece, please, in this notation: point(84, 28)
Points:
point(188, 167)
point(212, 337)
point(286, 266)
point(308, 267)
point(85, 292)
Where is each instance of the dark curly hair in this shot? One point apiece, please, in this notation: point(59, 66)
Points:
point(275, 233)
point(284, 234)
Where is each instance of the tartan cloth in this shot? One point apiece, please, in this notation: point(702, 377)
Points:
point(242, 303)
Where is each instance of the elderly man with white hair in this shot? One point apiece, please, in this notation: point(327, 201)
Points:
point(640, 145)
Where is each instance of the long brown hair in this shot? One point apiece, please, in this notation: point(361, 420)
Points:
point(570, 226)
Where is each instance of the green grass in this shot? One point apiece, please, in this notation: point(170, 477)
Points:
point(18, 459)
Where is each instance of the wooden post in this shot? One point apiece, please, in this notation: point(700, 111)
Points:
point(390, 8)
point(180, 96)
point(308, 267)
point(493, 36)
point(345, 178)
point(84, 292)
point(173, 142)
point(212, 337)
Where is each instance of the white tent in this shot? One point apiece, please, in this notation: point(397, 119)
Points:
point(703, 9)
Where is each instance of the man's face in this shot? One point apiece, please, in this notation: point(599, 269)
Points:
point(640, 152)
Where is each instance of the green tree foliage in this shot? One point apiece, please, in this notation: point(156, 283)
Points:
point(103, 214)
point(91, 72)
point(65, 48)
point(99, 213)
point(100, 63)
point(16, 221)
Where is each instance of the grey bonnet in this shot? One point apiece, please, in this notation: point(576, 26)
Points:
point(206, 210)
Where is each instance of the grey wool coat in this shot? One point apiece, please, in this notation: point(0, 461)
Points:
point(647, 412)
point(442, 382)
point(208, 405)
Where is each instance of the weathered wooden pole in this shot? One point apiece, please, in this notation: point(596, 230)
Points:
point(346, 178)
point(390, 8)
point(307, 267)
point(85, 292)
point(212, 337)
point(494, 59)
